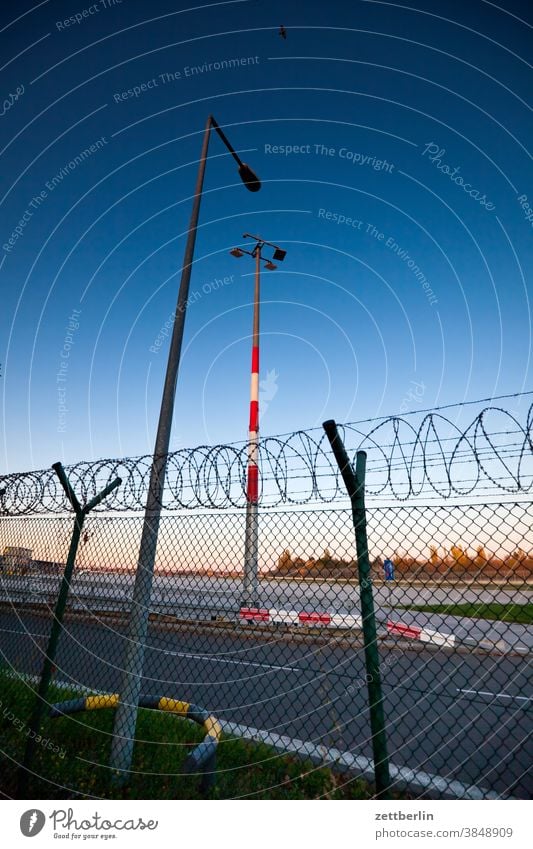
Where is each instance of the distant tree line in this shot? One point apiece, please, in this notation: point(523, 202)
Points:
point(457, 561)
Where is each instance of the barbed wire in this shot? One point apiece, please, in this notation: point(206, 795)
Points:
point(436, 458)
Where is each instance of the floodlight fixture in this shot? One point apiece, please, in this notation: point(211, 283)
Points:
point(249, 177)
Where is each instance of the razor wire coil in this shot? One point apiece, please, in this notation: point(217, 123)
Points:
point(404, 461)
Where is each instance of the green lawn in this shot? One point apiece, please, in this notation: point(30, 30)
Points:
point(522, 613)
point(79, 769)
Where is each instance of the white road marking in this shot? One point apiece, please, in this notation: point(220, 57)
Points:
point(191, 656)
point(496, 695)
point(22, 633)
point(227, 660)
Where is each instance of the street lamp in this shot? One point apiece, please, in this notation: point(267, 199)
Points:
point(126, 713)
point(251, 539)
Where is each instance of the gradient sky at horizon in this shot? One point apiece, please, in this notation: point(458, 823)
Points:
point(348, 330)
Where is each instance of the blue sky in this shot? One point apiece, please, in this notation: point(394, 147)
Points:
point(392, 147)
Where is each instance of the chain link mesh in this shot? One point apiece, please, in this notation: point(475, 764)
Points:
point(452, 593)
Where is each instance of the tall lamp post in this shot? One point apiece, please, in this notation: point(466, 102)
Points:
point(251, 539)
point(126, 713)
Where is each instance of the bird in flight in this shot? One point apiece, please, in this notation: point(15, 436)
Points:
point(283, 31)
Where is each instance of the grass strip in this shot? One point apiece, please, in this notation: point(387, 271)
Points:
point(73, 753)
point(520, 613)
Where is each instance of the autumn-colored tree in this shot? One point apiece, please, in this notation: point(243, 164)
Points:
point(434, 555)
point(326, 560)
point(299, 565)
point(285, 561)
point(517, 559)
point(481, 557)
point(459, 556)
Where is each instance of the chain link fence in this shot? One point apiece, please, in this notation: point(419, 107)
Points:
point(452, 594)
point(293, 688)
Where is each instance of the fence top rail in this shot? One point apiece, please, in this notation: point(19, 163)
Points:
point(432, 457)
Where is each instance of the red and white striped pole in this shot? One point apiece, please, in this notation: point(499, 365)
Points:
point(251, 562)
point(251, 580)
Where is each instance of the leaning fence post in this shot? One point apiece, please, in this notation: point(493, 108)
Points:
point(57, 622)
point(355, 486)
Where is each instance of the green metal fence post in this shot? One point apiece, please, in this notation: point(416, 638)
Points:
point(355, 486)
point(57, 622)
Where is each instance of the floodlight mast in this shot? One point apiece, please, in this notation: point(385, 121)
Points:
point(250, 596)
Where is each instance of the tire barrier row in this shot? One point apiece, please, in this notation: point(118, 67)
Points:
point(201, 759)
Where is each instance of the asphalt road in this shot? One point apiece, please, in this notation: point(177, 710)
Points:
point(461, 716)
point(287, 593)
point(195, 596)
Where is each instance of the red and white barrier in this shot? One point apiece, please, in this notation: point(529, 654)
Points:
point(402, 630)
point(314, 618)
point(427, 635)
point(293, 617)
point(254, 614)
point(346, 620)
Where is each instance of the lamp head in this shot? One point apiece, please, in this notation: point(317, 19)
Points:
point(279, 255)
point(249, 177)
point(237, 252)
point(270, 265)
